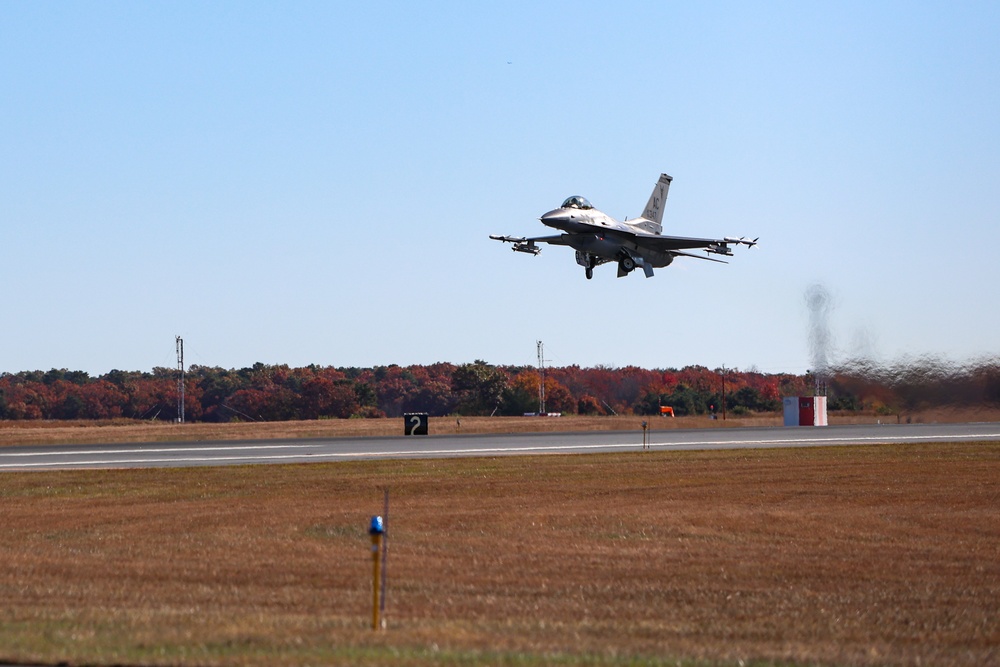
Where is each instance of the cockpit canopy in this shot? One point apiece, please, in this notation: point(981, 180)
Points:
point(576, 201)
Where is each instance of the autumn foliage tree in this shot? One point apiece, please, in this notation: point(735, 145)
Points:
point(479, 387)
point(279, 392)
point(522, 395)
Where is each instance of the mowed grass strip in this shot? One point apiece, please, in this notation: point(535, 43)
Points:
point(86, 432)
point(854, 556)
point(52, 432)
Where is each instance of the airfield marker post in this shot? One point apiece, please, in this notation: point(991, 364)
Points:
point(645, 439)
point(377, 532)
point(385, 555)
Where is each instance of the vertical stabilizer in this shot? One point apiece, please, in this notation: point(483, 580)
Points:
point(653, 213)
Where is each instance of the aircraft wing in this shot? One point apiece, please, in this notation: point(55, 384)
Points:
point(661, 243)
point(674, 244)
point(526, 244)
point(558, 239)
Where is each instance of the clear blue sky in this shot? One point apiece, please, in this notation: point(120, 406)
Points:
point(316, 182)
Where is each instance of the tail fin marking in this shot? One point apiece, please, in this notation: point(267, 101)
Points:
point(654, 208)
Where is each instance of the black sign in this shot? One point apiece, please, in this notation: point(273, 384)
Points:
point(415, 423)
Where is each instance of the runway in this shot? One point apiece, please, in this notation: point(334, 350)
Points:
point(226, 453)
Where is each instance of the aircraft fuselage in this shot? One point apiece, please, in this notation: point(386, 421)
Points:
point(598, 238)
point(597, 233)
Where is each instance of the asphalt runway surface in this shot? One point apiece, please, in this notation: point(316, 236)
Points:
point(225, 453)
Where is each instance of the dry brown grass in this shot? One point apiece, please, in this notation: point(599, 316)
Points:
point(856, 556)
point(62, 432)
point(53, 432)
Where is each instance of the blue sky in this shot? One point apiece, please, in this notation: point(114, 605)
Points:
point(316, 182)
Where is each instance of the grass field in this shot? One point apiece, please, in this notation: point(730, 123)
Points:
point(69, 432)
point(839, 556)
point(63, 432)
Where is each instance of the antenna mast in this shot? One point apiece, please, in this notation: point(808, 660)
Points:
point(541, 379)
point(180, 379)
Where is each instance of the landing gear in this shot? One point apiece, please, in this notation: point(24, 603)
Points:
point(590, 272)
point(626, 264)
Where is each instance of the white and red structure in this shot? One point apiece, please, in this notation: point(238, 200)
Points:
point(805, 411)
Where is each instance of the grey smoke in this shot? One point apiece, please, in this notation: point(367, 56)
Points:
point(820, 304)
point(913, 382)
point(864, 345)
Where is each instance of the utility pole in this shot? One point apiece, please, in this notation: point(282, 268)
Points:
point(180, 379)
point(723, 393)
point(541, 379)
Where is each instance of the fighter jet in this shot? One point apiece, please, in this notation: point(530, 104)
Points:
point(598, 238)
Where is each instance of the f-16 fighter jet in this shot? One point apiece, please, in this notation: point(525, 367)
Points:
point(598, 238)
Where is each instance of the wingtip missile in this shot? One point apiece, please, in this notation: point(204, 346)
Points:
point(742, 240)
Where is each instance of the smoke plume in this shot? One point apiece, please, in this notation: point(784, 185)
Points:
point(820, 304)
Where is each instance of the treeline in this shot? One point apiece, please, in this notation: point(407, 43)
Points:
point(276, 393)
point(911, 385)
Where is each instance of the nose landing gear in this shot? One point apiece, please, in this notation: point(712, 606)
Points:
point(587, 261)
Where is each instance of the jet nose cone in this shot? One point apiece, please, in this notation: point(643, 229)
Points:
point(556, 217)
